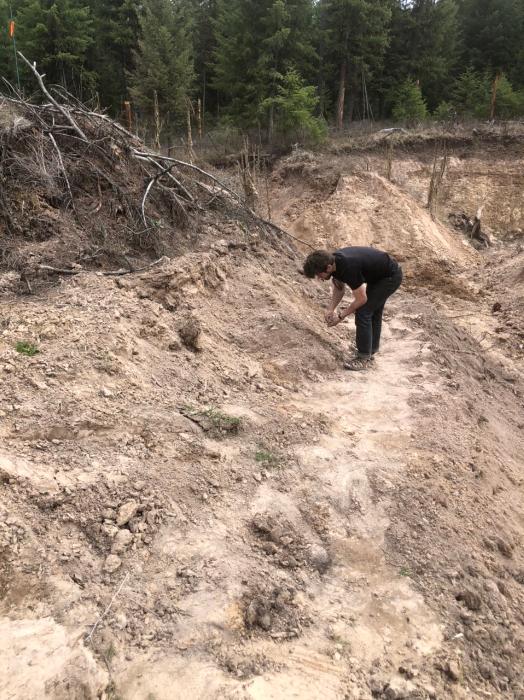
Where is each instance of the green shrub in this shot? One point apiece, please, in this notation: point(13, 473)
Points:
point(26, 348)
point(471, 94)
point(509, 103)
point(408, 104)
point(445, 112)
point(294, 108)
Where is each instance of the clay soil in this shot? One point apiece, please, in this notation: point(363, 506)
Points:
point(197, 501)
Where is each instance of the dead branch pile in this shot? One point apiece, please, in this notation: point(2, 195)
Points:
point(77, 189)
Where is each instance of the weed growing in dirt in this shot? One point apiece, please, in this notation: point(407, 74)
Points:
point(267, 458)
point(112, 693)
point(222, 420)
point(212, 419)
point(404, 572)
point(110, 653)
point(26, 348)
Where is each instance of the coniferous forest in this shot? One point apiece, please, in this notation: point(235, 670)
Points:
point(279, 66)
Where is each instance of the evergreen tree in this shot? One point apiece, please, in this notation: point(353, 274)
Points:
point(492, 32)
point(205, 15)
point(508, 102)
point(471, 93)
point(356, 34)
point(424, 46)
point(257, 44)
point(294, 108)
point(57, 35)
point(409, 105)
point(164, 61)
point(117, 30)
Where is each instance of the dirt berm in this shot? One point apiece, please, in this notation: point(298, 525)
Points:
point(198, 502)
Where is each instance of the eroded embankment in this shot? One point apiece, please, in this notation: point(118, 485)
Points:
point(186, 449)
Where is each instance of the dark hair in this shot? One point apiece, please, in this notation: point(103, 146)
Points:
point(316, 262)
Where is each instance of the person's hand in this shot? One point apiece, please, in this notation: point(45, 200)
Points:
point(331, 318)
point(334, 320)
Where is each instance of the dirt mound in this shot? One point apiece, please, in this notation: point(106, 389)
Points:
point(366, 209)
point(197, 499)
point(81, 192)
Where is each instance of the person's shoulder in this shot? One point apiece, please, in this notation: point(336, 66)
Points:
point(344, 252)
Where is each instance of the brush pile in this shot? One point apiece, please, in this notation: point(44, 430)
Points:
point(78, 190)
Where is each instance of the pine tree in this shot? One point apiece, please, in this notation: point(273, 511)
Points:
point(205, 15)
point(6, 48)
point(492, 33)
point(164, 61)
point(117, 30)
point(409, 105)
point(356, 34)
point(424, 47)
point(57, 35)
point(257, 44)
point(294, 108)
point(470, 94)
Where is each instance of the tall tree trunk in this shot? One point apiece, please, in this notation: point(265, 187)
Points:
point(271, 125)
point(341, 94)
point(494, 97)
point(156, 117)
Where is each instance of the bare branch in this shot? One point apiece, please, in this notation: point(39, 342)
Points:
point(148, 189)
point(61, 161)
point(61, 109)
point(89, 637)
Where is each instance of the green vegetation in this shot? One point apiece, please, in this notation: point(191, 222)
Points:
point(408, 104)
point(222, 421)
point(266, 457)
point(281, 69)
point(26, 348)
point(212, 419)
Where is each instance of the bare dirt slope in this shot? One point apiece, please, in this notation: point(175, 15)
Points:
point(197, 501)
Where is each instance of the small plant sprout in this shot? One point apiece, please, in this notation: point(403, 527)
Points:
point(25, 348)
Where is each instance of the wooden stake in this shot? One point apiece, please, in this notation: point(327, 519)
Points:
point(129, 115)
point(190, 152)
point(156, 142)
point(494, 97)
point(199, 117)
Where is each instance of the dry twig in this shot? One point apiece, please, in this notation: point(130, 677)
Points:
point(89, 637)
point(60, 108)
point(62, 166)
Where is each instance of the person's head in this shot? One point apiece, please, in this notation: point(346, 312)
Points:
point(320, 264)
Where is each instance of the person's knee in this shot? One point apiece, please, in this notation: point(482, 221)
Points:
point(363, 317)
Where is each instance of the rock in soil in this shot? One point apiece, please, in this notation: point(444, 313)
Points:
point(122, 541)
point(126, 511)
point(112, 563)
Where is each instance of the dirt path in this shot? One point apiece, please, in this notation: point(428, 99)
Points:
point(185, 464)
point(361, 617)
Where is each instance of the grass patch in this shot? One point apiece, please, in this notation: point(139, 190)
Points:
point(405, 572)
point(25, 348)
point(223, 421)
point(266, 457)
point(212, 419)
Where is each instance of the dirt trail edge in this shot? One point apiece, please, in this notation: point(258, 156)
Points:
point(361, 616)
point(197, 501)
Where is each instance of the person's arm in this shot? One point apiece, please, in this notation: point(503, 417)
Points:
point(360, 298)
point(336, 297)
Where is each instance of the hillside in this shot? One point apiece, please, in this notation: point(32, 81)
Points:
point(197, 500)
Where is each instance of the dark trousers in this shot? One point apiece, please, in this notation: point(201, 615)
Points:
point(368, 319)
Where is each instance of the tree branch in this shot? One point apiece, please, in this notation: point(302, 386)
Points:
point(61, 109)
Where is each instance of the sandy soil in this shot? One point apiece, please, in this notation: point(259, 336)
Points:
point(197, 500)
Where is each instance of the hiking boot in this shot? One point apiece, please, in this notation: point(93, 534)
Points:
point(356, 364)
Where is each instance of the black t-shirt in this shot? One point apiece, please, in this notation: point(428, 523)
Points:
point(358, 264)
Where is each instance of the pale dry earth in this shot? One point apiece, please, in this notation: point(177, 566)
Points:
point(186, 449)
